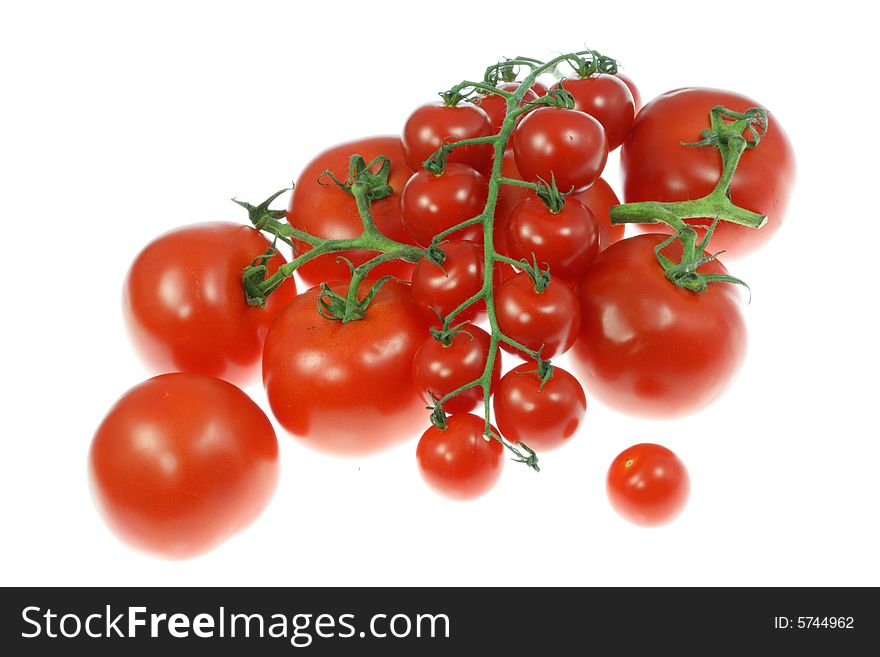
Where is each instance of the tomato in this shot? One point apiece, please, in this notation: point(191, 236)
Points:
point(656, 167)
point(323, 209)
point(185, 306)
point(648, 347)
point(431, 125)
point(458, 462)
point(633, 89)
point(496, 106)
point(439, 369)
point(648, 485)
point(600, 198)
point(445, 287)
point(346, 388)
point(432, 204)
point(568, 144)
point(509, 197)
point(539, 89)
point(550, 318)
point(566, 242)
point(181, 463)
point(544, 418)
point(608, 100)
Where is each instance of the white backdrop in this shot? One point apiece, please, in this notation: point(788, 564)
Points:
point(123, 120)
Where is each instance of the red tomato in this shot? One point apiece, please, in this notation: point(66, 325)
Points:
point(568, 144)
point(648, 347)
point(633, 89)
point(327, 211)
point(543, 418)
point(608, 100)
point(656, 167)
point(439, 369)
point(496, 106)
point(458, 462)
point(444, 288)
point(566, 242)
point(509, 197)
point(434, 124)
point(346, 388)
point(648, 485)
point(185, 306)
point(599, 198)
point(181, 463)
point(550, 318)
point(539, 89)
point(432, 204)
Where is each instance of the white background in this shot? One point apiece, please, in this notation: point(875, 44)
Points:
point(123, 120)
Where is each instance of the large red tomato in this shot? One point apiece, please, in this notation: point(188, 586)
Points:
point(346, 388)
point(657, 167)
point(648, 347)
point(325, 210)
point(600, 198)
point(185, 306)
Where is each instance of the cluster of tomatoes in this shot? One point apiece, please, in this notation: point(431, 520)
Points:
point(186, 459)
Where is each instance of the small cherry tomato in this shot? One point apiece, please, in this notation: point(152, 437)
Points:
point(434, 124)
point(445, 287)
point(648, 485)
point(608, 100)
point(496, 106)
point(600, 198)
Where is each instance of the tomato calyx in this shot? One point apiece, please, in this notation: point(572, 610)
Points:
point(338, 308)
point(596, 62)
point(684, 273)
point(264, 218)
point(445, 335)
point(550, 194)
point(361, 173)
point(254, 276)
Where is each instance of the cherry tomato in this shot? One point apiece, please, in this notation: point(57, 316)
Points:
point(657, 167)
point(432, 204)
point(458, 462)
point(185, 306)
point(648, 485)
point(568, 144)
point(534, 319)
point(439, 369)
point(346, 387)
point(633, 89)
point(544, 418)
point(321, 208)
point(608, 100)
point(509, 197)
point(566, 242)
point(600, 198)
point(648, 347)
point(496, 106)
point(444, 288)
point(539, 88)
point(431, 125)
point(181, 463)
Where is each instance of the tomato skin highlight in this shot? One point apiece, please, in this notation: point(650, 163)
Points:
point(433, 124)
point(608, 100)
point(543, 418)
point(649, 348)
point(648, 485)
point(346, 388)
point(600, 198)
point(458, 462)
point(656, 167)
point(185, 307)
point(181, 463)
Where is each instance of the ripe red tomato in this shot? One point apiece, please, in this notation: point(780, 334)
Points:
point(346, 388)
point(439, 369)
point(444, 288)
point(566, 242)
point(509, 197)
point(543, 418)
point(569, 144)
point(434, 124)
point(648, 485)
point(656, 167)
point(185, 306)
point(431, 204)
point(458, 462)
point(648, 347)
point(550, 318)
point(327, 211)
point(608, 100)
point(599, 198)
point(633, 89)
point(496, 106)
point(539, 88)
point(181, 463)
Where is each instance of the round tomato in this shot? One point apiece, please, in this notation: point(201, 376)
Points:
point(544, 418)
point(438, 369)
point(565, 144)
point(657, 167)
point(648, 347)
point(321, 208)
point(496, 106)
point(445, 287)
point(458, 462)
point(608, 100)
point(548, 319)
point(633, 89)
point(181, 463)
point(346, 387)
point(566, 241)
point(648, 485)
point(600, 198)
point(185, 306)
point(434, 124)
point(432, 204)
